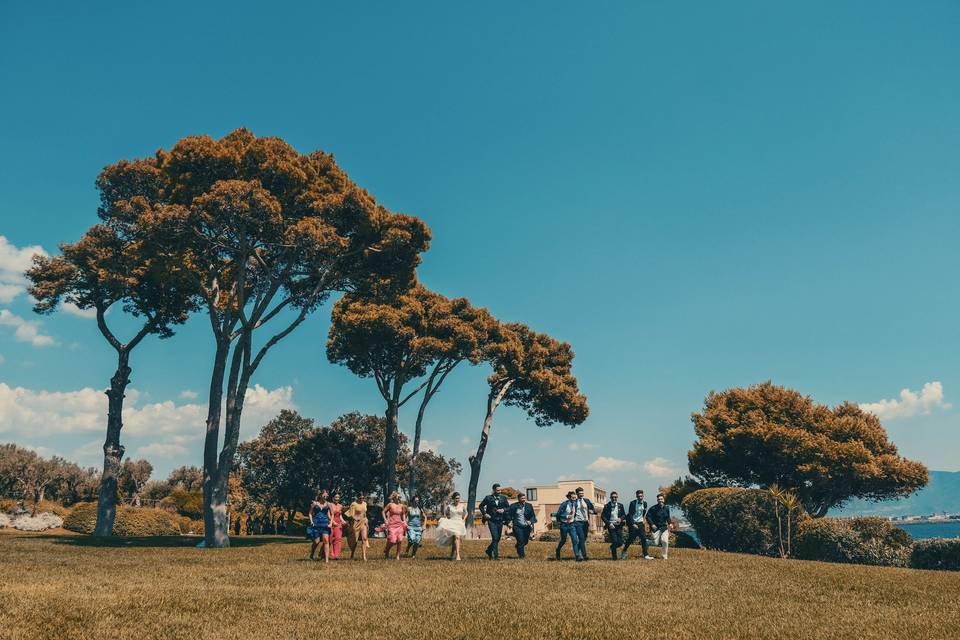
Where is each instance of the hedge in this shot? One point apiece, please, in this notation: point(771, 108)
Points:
point(853, 540)
point(936, 553)
point(734, 519)
point(185, 503)
point(129, 522)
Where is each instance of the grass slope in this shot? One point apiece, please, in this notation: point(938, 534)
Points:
point(67, 587)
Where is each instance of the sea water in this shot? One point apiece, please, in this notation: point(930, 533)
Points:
point(922, 530)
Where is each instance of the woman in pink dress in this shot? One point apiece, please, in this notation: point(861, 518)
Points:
point(395, 522)
point(336, 527)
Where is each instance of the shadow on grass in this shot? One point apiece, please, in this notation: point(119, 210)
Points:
point(163, 541)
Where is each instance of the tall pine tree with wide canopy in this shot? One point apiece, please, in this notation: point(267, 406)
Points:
point(268, 234)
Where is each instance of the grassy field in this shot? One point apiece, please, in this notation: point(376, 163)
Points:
point(66, 587)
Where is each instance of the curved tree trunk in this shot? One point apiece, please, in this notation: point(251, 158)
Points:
point(112, 449)
point(418, 429)
point(493, 401)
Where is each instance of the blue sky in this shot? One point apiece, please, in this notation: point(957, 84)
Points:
point(696, 197)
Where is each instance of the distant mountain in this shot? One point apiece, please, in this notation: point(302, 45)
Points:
point(941, 495)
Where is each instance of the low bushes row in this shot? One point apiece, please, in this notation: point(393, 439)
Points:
point(129, 521)
point(738, 520)
point(855, 540)
point(936, 553)
point(745, 521)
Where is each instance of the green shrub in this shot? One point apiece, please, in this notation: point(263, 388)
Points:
point(936, 553)
point(186, 503)
point(854, 540)
point(129, 521)
point(733, 519)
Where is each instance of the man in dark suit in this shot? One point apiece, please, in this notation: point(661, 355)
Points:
point(660, 521)
point(613, 517)
point(636, 526)
point(493, 510)
point(521, 516)
point(581, 520)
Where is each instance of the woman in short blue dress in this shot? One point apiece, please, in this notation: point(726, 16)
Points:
point(415, 524)
point(319, 529)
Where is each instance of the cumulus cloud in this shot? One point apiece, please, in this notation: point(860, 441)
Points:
point(910, 403)
point(170, 426)
point(74, 310)
point(577, 446)
point(433, 446)
point(605, 463)
point(188, 394)
point(25, 330)
point(13, 262)
point(660, 468)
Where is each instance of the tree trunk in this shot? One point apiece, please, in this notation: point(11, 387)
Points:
point(493, 401)
point(112, 449)
point(214, 495)
point(412, 476)
point(390, 449)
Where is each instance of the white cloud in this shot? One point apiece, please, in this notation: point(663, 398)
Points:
point(577, 446)
point(910, 403)
point(188, 394)
point(9, 291)
point(13, 262)
point(171, 427)
point(74, 310)
point(605, 463)
point(466, 440)
point(2, 359)
point(432, 446)
point(161, 450)
point(545, 444)
point(25, 330)
point(660, 468)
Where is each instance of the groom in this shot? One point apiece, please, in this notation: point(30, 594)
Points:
point(493, 509)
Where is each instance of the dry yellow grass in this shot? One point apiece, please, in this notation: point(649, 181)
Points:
point(64, 587)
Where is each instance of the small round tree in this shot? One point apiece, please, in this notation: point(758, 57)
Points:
point(768, 435)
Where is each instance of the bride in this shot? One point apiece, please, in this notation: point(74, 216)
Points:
point(451, 527)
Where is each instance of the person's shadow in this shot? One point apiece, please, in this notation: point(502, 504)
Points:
point(161, 541)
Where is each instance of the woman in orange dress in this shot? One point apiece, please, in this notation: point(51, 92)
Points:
point(357, 514)
point(395, 522)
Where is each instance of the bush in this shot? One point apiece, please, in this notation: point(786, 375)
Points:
point(186, 503)
point(188, 526)
point(49, 506)
point(8, 505)
point(129, 522)
point(936, 553)
point(855, 540)
point(732, 519)
point(39, 522)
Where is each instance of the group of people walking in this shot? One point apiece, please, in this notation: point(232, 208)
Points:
point(329, 521)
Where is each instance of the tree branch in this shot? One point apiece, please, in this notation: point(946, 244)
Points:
point(104, 329)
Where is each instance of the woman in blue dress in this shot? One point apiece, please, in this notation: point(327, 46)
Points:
point(415, 524)
point(319, 529)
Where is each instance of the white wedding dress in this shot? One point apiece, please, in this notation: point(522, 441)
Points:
point(452, 524)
